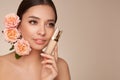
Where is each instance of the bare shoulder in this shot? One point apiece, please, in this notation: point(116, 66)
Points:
point(5, 58)
point(2, 58)
point(63, 70)
point(61, 62)
point(2, 61)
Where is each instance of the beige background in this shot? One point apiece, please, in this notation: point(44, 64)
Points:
point(91, 39)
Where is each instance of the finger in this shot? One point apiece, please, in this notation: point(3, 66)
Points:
point(50, 62)
point(54, 72)
point(48, 59)
point(46, 56)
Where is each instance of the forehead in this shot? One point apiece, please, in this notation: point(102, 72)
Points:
point(41, 11)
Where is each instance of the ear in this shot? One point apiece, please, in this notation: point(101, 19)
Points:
point(19, 27)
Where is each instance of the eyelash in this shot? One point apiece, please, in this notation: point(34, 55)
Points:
point(33, 22)
point(51, 24)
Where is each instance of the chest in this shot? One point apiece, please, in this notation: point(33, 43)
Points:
point(12, 72)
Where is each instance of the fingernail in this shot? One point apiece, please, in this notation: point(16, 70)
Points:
point(42, 54)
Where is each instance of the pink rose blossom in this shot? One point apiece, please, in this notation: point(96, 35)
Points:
point(22, 47)
point(11, 20)
point(11, 34)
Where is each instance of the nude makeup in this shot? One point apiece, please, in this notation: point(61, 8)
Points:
point(53, 41)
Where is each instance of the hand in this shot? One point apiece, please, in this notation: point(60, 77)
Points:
point(49, 68)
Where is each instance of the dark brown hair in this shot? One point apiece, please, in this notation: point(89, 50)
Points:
point(26, 4)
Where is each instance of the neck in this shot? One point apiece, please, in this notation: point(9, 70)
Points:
point(33, 57)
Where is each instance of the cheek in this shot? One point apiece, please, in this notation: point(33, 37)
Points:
point(26, 31)
point(50, 33)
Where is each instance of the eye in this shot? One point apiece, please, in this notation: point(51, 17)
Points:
point(33, 22)
point(51, 24)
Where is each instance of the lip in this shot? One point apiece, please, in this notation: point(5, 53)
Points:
point(39, 41)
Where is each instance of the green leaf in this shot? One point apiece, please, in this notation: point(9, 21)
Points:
point(17, 56)
point(11, 48)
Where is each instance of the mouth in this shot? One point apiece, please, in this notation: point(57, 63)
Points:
point(40, 41)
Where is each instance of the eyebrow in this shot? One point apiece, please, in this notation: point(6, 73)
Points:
point(51, 20)
point(34, 17)
point(39, 18)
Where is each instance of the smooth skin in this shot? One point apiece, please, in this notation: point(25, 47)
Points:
point(37, 27)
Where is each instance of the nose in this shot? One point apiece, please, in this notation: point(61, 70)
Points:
point(41, 31)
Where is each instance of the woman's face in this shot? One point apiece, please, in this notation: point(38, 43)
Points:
point(37, 26)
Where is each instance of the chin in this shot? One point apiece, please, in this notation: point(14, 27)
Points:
point(38, 47)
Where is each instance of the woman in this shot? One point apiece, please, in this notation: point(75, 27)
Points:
point(38, 18)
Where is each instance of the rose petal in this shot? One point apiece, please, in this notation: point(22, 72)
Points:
point(22, 47)
point(11, 34)
point(11, 20)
